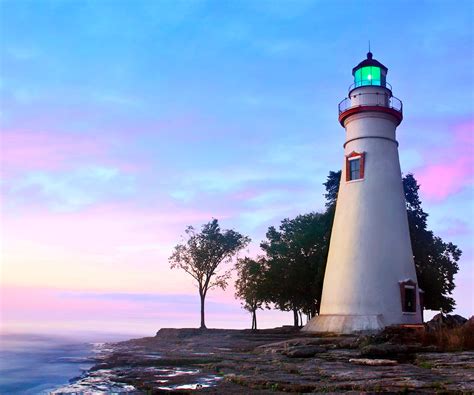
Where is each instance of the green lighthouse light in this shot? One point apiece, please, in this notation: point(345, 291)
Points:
point(369, 72)
point(370, 75)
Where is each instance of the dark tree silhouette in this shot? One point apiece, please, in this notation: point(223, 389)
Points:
point(332, 188)
point(202, 253)
point(296, 258)
point(435, 260)
point(249, 285)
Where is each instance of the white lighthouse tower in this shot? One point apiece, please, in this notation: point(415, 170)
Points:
point(370, 280)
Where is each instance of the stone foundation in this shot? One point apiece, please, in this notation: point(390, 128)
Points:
point(345, 324)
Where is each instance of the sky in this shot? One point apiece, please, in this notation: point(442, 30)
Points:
point(123, 122)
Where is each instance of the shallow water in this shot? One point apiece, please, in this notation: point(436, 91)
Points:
point(96, 382)
point(33, 364)
point(202, 382)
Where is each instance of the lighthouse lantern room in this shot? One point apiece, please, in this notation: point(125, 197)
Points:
point(369, 72)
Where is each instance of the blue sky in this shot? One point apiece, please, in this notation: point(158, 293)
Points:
point(123, 122)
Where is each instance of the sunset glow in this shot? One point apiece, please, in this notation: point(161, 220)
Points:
point(124, 122)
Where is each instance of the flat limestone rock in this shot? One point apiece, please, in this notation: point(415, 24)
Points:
point(257, 362)
point(373, 362)
point(383, 350)
point(303, 351)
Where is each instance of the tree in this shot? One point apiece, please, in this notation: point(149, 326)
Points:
point(296, 258)
point(435, 260)
point(332, 188)
point(202, 253)
point(249, 285)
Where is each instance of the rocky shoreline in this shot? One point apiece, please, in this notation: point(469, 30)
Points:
point(281, 360)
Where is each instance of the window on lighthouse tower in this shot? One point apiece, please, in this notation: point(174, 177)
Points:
point(408, 295)
point(410, 299)
point(355, 166)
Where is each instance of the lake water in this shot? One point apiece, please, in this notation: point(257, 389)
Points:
point(34, 364)
point(40, 364)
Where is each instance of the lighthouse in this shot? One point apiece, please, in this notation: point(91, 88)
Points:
point(370, 280)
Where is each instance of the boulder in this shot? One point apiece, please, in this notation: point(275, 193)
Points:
point(449, 321)
point(456, 320)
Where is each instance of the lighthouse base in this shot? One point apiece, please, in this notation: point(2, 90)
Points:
point(345, 324)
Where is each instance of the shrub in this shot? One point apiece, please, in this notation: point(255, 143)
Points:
point(451, 339)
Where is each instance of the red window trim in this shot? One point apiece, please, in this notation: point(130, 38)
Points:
point(355, 154)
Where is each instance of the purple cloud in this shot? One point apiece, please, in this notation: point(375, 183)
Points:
point(450, 165)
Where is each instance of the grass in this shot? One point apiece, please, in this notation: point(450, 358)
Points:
point(455, 339)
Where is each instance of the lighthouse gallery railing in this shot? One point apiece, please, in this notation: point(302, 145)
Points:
point(370, 99)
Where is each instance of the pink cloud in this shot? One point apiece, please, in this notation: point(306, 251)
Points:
point(451, 167)
point(35, 302)
point(46, 309)
point(108, 247)
point(28, 150)
point(101, 227)
point(22, 150)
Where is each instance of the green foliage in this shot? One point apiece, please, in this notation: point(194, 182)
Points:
point(201, 254)
point(332, 188)
point(292, 272)
point(296, 257)
point(435, 260)
point(249, 285)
